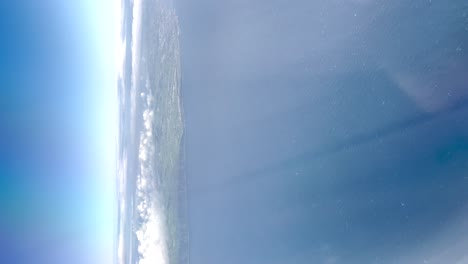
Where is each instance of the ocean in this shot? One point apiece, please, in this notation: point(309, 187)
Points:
point(151, 182)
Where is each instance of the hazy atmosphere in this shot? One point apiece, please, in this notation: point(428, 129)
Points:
point(326, 132)
point(234, 132)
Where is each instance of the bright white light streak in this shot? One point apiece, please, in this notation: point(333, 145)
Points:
point(103, 19)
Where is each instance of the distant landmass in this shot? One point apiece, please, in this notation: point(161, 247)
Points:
point(152, 186)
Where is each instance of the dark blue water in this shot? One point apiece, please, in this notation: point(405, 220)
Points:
point(326, 132)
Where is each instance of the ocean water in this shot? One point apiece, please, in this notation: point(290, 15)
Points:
point(152, 200)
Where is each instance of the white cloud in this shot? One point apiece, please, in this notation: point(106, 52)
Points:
point(150, 231)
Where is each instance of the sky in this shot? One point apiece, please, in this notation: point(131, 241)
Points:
point(58, 110)
point(317, 131)
point(325, 131)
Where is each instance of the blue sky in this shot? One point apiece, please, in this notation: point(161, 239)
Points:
point(59, 126)
point(320, 140)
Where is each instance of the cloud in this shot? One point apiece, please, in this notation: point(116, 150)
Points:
point(150, 228)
